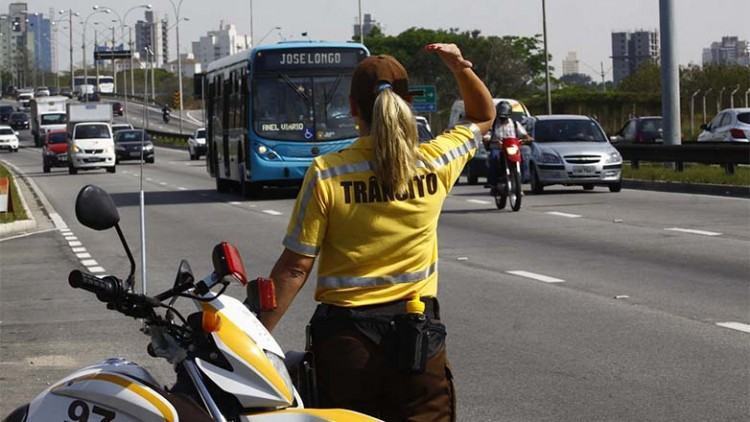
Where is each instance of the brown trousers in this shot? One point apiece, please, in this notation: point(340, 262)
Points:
point(354, 373)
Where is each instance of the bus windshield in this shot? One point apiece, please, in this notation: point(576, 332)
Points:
point(303, 108)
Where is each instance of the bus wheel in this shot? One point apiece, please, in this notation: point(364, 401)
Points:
point(222, 185)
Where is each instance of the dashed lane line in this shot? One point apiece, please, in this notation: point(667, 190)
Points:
point(89, 263)
point(74, 243)
point(96, 270)
point(77, 250)
point(745, 328)
point(83, 255)
point(272, 212)
point(534, 276)
point(478, 201)
point(181, 188)
point(563, 214)
point(692, 231)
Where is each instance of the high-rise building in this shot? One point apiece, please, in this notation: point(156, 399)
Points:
point(729, 51)
point(368, 23)
point(630, 50)
point(151, 33)
point(41, 34)
point(217, 44)
point(19, 43)
point(570, 64)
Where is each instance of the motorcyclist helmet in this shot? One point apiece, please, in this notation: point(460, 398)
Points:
point(503, 109)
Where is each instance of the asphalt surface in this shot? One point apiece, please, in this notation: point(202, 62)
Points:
point(590, 306)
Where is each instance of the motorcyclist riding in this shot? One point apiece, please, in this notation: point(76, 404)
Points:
point(165, 113)
point(503, 127)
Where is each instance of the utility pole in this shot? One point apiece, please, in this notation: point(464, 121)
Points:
point(692, 112)
point(361, 24)
point(114, 68)
point(70, 34)
point(96, 62)
point(546, 58)
point(670, 77)
point(132, 78)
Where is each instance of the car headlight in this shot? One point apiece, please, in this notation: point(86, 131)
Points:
point(550, 158)
point(109, 150)
point(280, 367)
point(76, 148)
point(614, 157)
point(267, 153)
point(148, 147)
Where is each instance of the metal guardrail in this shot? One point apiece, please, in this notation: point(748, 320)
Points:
point(726, 154)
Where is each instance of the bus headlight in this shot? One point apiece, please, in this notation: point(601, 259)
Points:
point(267, 153)
point(262, 149)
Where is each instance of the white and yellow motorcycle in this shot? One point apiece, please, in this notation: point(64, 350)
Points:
point(228, 366)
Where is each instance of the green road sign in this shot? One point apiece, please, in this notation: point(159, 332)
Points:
point(424, 98)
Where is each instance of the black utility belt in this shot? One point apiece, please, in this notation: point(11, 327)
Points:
point(388, 309)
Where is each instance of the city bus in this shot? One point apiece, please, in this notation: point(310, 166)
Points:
point(104, 85)
point(272, 109)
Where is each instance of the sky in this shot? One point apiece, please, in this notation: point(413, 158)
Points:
point(583, 26)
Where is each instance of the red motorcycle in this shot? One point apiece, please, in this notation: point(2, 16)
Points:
point(508, 188)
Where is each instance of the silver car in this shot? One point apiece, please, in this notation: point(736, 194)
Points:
point(571, 150)
point(730, 125)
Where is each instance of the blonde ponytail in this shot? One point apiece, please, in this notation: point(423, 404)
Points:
point(395, 139)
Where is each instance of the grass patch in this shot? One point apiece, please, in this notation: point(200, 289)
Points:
point(18, 212)
point(169, 140)
point(693, 173)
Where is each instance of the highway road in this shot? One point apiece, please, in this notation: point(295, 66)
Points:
point(583, 306)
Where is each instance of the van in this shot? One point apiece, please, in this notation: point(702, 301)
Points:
point(477, 167)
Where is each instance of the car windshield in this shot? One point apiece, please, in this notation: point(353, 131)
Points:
point(6, 109)
point(6, 131)
point(651, 127)
point(744, 117)
point(303, 108)
point(91, 131)
point(57, 138)
point(18, 116)
point(53, 119)
point(567, 130)
point(129, 136)
point(201, 134)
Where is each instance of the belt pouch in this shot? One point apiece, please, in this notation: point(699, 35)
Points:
point(411, 343)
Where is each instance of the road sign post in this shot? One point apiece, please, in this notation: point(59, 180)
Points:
point(424, 98)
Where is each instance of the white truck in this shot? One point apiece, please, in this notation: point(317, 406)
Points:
point(47, 114)
point(90, 142)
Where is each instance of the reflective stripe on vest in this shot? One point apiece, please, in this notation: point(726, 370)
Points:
point(332, 282)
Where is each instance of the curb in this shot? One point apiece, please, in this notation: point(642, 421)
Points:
point(694, 188)
point(19, 226)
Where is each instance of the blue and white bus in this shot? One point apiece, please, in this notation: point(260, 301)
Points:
point(272, 109)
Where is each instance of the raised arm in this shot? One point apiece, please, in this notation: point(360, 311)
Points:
point(478, 105)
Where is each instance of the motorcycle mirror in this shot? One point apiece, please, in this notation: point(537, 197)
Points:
point(95, 208)
point(184, 274)
point(228, 262)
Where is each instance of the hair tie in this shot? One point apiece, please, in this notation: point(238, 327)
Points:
point(383, 86)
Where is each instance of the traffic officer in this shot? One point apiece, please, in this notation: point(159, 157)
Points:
point(371, 212)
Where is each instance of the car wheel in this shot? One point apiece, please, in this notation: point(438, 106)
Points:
point(588, 187)
point(15, 150)
point(111, 169)
point(536, 185)
point(615, 187)
point(192, 154)
point(151, 160)
point(72, 170)
point(45, 168)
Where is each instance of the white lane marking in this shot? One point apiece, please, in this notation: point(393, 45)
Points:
point(71, 238)
point(539, 277)
point(58, 221)
point(462, 258)
point(271, 212)
point(148, 179)
point(478, 201)
point(79, 249)
point(83, 255)
point(74, 243)
point(95, 269)
point(235, 203)
point(745, 328)
point(163, 183)
point(89, 263)
point(181, 188)
point(563, 214)
point(692, 231)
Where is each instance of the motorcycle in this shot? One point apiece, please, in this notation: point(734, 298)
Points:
point(509, 187)
point(165, 116)
point(228, 366)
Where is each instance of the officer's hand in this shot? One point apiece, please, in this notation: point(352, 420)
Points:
point(450, 55)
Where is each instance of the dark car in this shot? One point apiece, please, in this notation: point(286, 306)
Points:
point(128, 145)
point(66, 92)
point(19, 120)
point(640, 130)
point(5, 112)
point(54, 91)
point(117, 109)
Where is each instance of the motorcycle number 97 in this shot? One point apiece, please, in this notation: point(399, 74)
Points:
point(78, 411)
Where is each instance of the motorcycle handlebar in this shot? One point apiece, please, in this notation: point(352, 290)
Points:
point(107, 289)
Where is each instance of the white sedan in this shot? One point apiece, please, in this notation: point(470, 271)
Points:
point(197, 144)
point(8, 139)
point(730, 125)
point(571, 150)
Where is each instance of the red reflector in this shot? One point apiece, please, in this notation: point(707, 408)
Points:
point(737, 133)
point(266, 294)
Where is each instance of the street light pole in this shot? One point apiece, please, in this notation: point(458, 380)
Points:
point(179, 56)
point(85, 69)
point(705, 94)
point(692, 111)
point(546, 58)
point(719, 98)
point(361, 24)
point(731, 96)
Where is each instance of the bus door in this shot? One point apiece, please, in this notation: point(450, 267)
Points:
point(227, 88)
